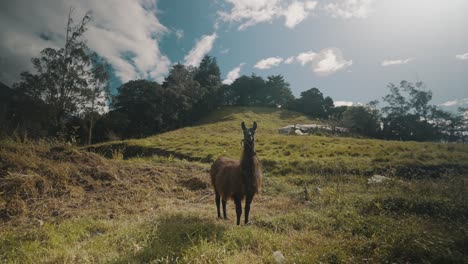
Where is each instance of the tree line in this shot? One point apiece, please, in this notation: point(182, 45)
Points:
point(68, 94)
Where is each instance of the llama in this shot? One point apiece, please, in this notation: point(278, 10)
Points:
point(238, 179)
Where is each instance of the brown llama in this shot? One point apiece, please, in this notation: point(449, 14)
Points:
point(238, 179)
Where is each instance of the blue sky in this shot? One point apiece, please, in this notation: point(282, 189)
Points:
point(349, 49)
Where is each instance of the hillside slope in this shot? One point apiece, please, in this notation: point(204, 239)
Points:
point(220, 134)
point(59, 204)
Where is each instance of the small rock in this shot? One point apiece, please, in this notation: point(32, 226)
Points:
point(377, 179)
point(299, 132)
point(279, 258)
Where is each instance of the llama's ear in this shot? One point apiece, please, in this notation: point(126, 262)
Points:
point(243, 126)
point(255, 126)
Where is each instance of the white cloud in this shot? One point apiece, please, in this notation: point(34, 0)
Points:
point(306, 57)
point(225, 51)
point(251, 12)
point(127, 37)
point(326, 62)
point(343, 103)
point(289, 60)
point(462, 56)
point(179, 33)
point(233, 74)
point(396, 62)
point(296, 12)
point(268, 63)
point(201, 48)
point(456, 102)
point(329, 61)
point(350, 8)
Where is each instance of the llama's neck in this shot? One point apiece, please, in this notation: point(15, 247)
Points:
point(247, 160)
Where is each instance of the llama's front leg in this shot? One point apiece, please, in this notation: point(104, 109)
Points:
point(218, 201)
point(248, 201)
point(224, 208)
point(238, 202)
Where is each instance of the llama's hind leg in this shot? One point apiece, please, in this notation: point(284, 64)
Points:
point(218, 201)
point(248, 201)
point(224, 207)
point(238, 203)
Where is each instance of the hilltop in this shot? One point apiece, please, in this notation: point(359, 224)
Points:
point(220, 134)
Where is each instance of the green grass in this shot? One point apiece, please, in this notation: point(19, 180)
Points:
point(61, 204)
point(220, 134)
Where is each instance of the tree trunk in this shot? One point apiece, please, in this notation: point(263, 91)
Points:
point(90, 132)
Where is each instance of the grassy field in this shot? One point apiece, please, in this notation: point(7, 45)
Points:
point(145, 204)
point(220, 134)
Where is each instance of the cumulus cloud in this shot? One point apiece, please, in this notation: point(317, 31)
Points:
point(396, 62)
point(233, 74)
point(456, 102)
point(127, 37)
point(329, 61)
point(201, 48)
point(349, 8)
point(306, 57)
point(343, 103)
point(289, 60)
point(296, 12)
point(325, 62)
point(462, 56)
point(268, 63)
point(249, 12)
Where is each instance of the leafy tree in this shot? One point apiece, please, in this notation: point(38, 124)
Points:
point(98, 94)
point(363, 120)
point(184, 92)
point(337, 112)
point(144, 108)
point(64, 76)
point(22, 113)
point(407, 117)
point(397, 103)
point(451, 127)
point(328, 106)
point(277, 91)
point(208, 76)
point(247, 90)
point(208, 73)
point(311, 103)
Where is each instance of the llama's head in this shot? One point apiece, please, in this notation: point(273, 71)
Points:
point(249, 133)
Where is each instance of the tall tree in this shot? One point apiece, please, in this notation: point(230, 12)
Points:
point(328, 106)
point(247, 90)
point(361, 119)
point(408, 112)
point(98, 93)
point(208, 73)
point(208, 76)
point(186, 91)
point(311, 103)
point(143, 106)
point(277, 91)
point(63, 76)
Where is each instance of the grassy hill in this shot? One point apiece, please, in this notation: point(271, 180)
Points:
point(220, 134)
point(150, 201)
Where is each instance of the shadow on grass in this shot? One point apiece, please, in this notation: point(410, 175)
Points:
point(174, 235)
